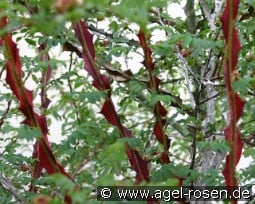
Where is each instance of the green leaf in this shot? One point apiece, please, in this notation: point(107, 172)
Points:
point(203, 145)
point(61, 181)
point(241, 85)
point(187, 39)
point(216, 146)
point(134, 143)
point(30, 41)
point(211, 177)
point(219, 146)
point(56, 200)
point(133, 10)
point(157, 3)
point(168, 170)
point(202, 43)
point(180, 170)
point(28, 133)
point(192, 177)
point(163, 98)
point(80, 196)
point(35, 78)
point(136, 87)
point(161, 175)
point(92, 96)
point(251, 2)
point(113, 155)
point(249, 172)
point(250, 152)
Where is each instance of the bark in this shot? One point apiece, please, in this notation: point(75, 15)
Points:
point(210, 159)
point(191, 16)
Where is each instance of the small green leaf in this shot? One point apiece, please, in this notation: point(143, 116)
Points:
point(30, 42)
point(180, 170)
point(91, 97)
point(163, 98)
point(61, 181)
point(202, 145)
point(211, 177)
point(136, 87)
point(28, 133)
point(218, 146)
point(251, 2)
point(241, 85)
point(162, 174)
point(113, 155)
point(187, 39)
point(80, 196)
point(249, 152)
point(134, 143)
point(35, 79)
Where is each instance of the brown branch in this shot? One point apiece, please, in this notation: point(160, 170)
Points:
point(4, 115)
point(189, 10)
point(8, 186)
point(92, 154)
point(71, 48)
point(250, 140)
point(213, 97)
point(249, 14)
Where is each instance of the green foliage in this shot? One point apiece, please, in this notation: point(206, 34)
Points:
point(163, 175)
point(28, 133)
point(83, 141)
point(108, 158)
point(242, 85)
point(216, 146)
point(212, 178)
point(163, 98)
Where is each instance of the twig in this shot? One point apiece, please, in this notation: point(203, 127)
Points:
point(71, 88)
point(250, 140)
point(210, 98)
point(208, 71)
point(97, 31)
point(149, 141)
point(8, 186)
point(211, 17)
point(177, 157)
point(4, 115)
point(2, 71)
point(211, 57)
point(186, 69)
point(218, 8)
point(206, 10)
point(46, 75)
point(177, 127)
point(140, 123)
point(190, 16)
point(79, 169)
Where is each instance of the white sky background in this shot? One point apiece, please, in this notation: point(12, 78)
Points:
point(174, 10)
